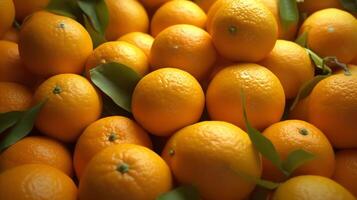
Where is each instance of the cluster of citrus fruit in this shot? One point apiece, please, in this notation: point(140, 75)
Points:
point(211, 74)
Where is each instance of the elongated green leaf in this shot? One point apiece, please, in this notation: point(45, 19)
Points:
point(181, 193)
point(295, 159)
point(97, 38)
point(117, 81)
point(289, 13)
point(260, 182)
point(319, 62)
point(9, 119)
point(97, 12)
point(350, 5)
point(67, 8)
point(22, 127)
point(302, 39)
point(111, 109)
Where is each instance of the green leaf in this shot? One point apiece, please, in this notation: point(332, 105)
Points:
point(9, 119)
point(67, 8)
point(295, 159)
point(260, 182)
point(289, 13)
point(97, 12)
point(111, 109)
point(22, 127)
point(117, 81)
point(350, 5)
point(181, 193)
point(302, 39)
point(319, 62)
point(97, 38)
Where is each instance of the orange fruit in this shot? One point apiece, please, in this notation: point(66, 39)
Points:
point(243, 30)
point(211, 155)
point(25, 8)
point(262, 89)
point(166, 100)
point(205, 4)
point(311, 188)
point(213, 10)
point(125, 171)
point(311, 6)
point(332, 32)
point(346, 169)
point(125, 17)
point(120, 52)
point(37, 150)
point(142, 40)
point(106, 132)
point(72, 104)
point(14, 97)
point(36, 181)
point(11, 35)
point(51, 44)
point(177, 12)
point(301, 110)
point(337, 122)
point(186, 47)
point(290, 135)
point(291, 64)
point(7, 15)
point(152, 4)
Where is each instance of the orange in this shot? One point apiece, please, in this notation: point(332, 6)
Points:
point(186, 47)
point(34, 182)
point(311, 6)
point(125, 17)
point(333, 109)
point(177, 12)
point(290, 135)
point(243, 30)
point(346, 169)
point(291, 64)
point(166, 100)
point(152, 4)
point(211, 155)
point(213, 10)
point(301, 110)
point(120, 52)
point(7, 15)
point(51, 44)
point(311, 188)
point(106, 132)
point(332, 32)
point(11, 35)
point(25, 8)
point(205, 4)
point(142, 40)
point(14, 97)
point(125, 171)
point(72, 104)
point(37, 150)
point(265, 99)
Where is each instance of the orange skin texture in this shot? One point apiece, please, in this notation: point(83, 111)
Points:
point(166, 100)
point(51, 44)
point(262, 89)
point(72, 103)
point(209, 155)
point(153, 4)
point(332, 32)
point(186, 47)
point(147, 175)
point(291, 64)
point(7, 15)
point(288, 136)
point(26, 7)
point(310, 187)
point(205, 4)
point(177, 12)
point(243, 30)
point(311, 6)
point(120, 52)
point(337, 122)
point(125, 17)
point(37, 150)
point(107, 132)
point(12, 35)
point(14, 97)
point(301, 110)
point(346, 169)
point(142, 40)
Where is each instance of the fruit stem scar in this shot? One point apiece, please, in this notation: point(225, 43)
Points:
point(112, 137)
point(171, 152)
point(123, 168)
point(232, 29)
point(303, 131)
point(61, 25)
point(57, 89)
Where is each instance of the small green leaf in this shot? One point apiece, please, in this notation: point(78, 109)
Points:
point(319, 62)
point(22, 127)
point(111, 109)
point(117, 81)
point(97, 12)
point(68, 8)
point(350, 5)
point(181, 193)
point(302, 39)
point(295, 159)
point(97, 38)
point(260, 182)
point(289, 13)
point(9, 119)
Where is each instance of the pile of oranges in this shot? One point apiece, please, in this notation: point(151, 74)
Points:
point(196, 60)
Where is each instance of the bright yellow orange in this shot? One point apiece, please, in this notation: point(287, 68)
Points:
point(11, 35)
point(36, 181)
point(186, 47)
point(142, 40)
point(301, 110)
point(311, 188)
point(213, 10)
point(205, 4)
point(265, 99)
point(166, 100)
point(51, 44)
point(311, 6)
point(25, 8)
point(72, 103)
point(153, 4)
point(125, 17)
point(7, 15)
point(177, 12)
point(211, 155)
point(332, 32)
point(37, 150)
point(106, 132)
point(120, 52)
point(337, 122)
point(14, 97)
point(125, 171)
